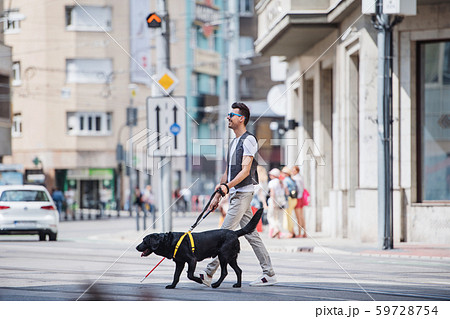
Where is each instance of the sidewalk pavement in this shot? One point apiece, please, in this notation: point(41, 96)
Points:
point(315, 243)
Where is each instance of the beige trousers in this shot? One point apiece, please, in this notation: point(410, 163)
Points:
point(239, 214)
point(288, 218)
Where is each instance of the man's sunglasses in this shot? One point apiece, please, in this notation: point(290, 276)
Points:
point(230, 115)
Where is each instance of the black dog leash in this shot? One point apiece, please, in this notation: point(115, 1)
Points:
point(200, 218)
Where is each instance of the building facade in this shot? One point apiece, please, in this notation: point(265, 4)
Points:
point(71, 88)
point(255, 80)
point(203, 28)
point(5, 95)
point(332, 54)
point(77, 69)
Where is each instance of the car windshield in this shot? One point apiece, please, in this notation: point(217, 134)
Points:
point(24, 196)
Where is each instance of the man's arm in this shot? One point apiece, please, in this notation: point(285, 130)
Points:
point(224, 177)
point(215, 201)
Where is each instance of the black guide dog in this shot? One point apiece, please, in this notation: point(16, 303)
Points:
point(219, 242)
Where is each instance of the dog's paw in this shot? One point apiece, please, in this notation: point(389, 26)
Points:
point(170, 287)
point(215, 285)
point(236, 285)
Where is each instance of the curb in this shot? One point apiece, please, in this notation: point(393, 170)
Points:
point(316, 244)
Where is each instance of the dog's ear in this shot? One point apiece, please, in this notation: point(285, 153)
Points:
point(152, 241)
point(168, 237)
point(156, 240)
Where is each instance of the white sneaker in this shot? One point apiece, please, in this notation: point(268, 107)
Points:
point(264, 280)
point(206, 279)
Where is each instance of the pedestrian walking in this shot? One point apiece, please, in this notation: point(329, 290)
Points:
point(149, 202)
point(139, 200)
point(186, 198)
point(104, 198)
point(139, 203)
point(58, 198)
point(178, 201)
point(291, 193)
point(299, 207)
point(260, 194)
point(277, 202)
point(239, 181)
point(69, 194)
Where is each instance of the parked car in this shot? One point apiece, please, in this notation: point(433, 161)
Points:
point(28, 209)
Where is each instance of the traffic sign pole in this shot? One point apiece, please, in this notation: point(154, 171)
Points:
point(165, 172)
point(170, 124)
point(168, 142)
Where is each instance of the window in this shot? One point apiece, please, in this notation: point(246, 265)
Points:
point(201, 41)
point(194, 84)
point(246, 8)
point(5, 98)
point(246, 48)
point(16, 80)
point(212, 43)
point(209, 42)
point(88, 18)
point(206, 84)
point(16, 129)
point(434, 121)
point(11, 26)
point(213, 85)
point(88, 70)
point(24, 196)
point(246, 85)
point(89, 123)
point(11, 21)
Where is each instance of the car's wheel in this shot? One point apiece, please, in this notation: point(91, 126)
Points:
point(52, 236)
point(42, 236)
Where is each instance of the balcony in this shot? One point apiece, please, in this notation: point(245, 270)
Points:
point(290, 27)
point(207, 62)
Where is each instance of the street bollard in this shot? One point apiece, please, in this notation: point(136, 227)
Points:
point(153, 210)
point(137, 218)
point(145, 218)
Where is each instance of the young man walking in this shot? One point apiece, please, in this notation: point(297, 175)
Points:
point(239, 181)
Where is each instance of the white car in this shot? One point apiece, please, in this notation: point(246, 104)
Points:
point(28, 209)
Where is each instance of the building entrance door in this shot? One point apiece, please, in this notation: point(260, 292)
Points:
point(89, 194)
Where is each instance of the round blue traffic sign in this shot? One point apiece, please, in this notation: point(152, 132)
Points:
point(175, 129)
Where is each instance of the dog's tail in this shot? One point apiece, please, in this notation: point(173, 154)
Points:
point(251, 225)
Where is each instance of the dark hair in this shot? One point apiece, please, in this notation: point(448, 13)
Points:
point(243, 110)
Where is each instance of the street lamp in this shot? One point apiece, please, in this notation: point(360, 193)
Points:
point(132, 117)
point(384, 18)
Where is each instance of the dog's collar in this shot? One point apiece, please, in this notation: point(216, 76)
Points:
point(181, 239)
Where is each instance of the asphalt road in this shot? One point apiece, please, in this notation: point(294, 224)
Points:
point(94, 260)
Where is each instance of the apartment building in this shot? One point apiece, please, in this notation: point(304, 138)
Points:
point(78, 66)
point(332, 55)
point(200, 38)
point(255, 81)
point(70, 91)
point(5, 97)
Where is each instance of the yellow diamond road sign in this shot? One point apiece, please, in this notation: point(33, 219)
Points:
point(167, 80)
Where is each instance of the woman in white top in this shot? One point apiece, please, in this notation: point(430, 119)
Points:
point(277, 202)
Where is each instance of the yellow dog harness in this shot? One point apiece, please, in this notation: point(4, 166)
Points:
point(180, 241)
